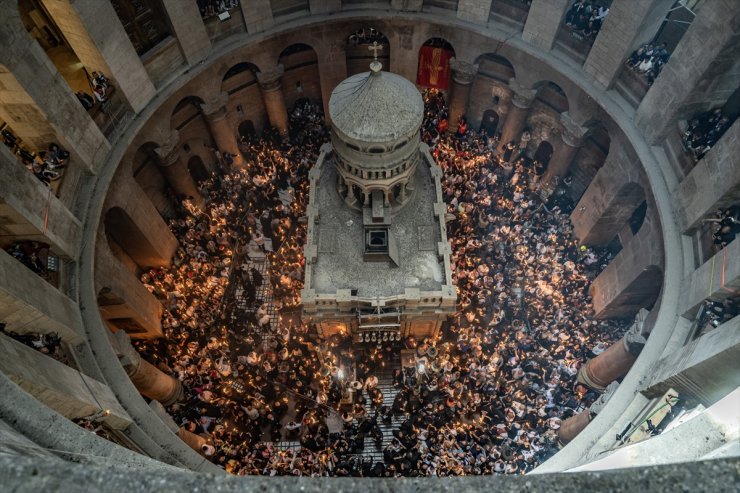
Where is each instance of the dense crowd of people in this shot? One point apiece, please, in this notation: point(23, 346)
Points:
point(486, 396)
point(648, 60)
point(704, 130)
point(210, 8)
point(586, 18)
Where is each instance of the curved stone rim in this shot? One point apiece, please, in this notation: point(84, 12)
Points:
point(654, 165)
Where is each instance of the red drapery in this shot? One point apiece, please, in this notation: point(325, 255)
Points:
point(434, 67)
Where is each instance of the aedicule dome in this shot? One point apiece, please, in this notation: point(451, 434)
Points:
point(376, 107)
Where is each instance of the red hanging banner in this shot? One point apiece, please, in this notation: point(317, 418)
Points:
point(434, 67)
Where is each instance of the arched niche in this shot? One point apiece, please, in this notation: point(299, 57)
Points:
point(301, 78)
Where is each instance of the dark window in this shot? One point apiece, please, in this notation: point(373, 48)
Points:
point(144, 22)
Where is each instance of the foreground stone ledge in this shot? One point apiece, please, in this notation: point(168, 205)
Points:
point(25, 474)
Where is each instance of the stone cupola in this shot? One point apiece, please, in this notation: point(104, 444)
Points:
point(376, 117)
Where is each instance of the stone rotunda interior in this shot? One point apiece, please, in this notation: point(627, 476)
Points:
point(377, 239)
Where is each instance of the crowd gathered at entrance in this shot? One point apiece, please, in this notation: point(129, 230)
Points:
point(498, 380)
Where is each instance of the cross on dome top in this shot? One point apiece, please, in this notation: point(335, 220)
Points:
point(375, 65)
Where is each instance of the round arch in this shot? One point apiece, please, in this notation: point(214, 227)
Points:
point(552, 95)
point(358, 54)
point(434, 64)
point(301, 78)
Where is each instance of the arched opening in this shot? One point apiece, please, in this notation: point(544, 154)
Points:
point(489, 123)
point(434, 64)
point(128, 243)
point(185, 111)
point(543, 154)
point(197, 169)
point(589, 160)
point(245, 99)
point(246, 130)
point(358, 50)
point(239, 77)
point(301, 78)
point(495, 67)
point(552, 95)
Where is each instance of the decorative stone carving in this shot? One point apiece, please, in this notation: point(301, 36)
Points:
point(603, 399)
point(463, 72)
point(216, 106)
point(522, 96)
point(269, 80)
point(167, 151)
point(573, 133)
point(634, 340)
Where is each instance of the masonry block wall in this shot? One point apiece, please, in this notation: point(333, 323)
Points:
point(543, 22)
point(702, 71)
point(712, 184)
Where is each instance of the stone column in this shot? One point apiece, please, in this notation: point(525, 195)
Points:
point(105, 30)
point(28, 303)
point(42, 90)
point(176, 172)
point(147, 378)
point(257, 15)
point(628, 25)
point(223, 135)
point(543, 22)
point(571, 427)
point(562, 154)
point(20, 195)
point(60, 387)
point(716, 279)
point(192, 440)
point(712, 184)
point(617, 360)
point(189, 29)
point(706, 369)
point(463, 74)
point(518, 111)
point(272, 94)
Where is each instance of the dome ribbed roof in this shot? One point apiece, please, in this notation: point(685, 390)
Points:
point(376, 107)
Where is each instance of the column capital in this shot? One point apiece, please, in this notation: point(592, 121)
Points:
point(215, 107)
point(522, 95)
point(634, 339)
point(573, 133)
point(129, 357)
point(602, 400)
point(463, 72)
point(269, 80)
point(167, 152)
